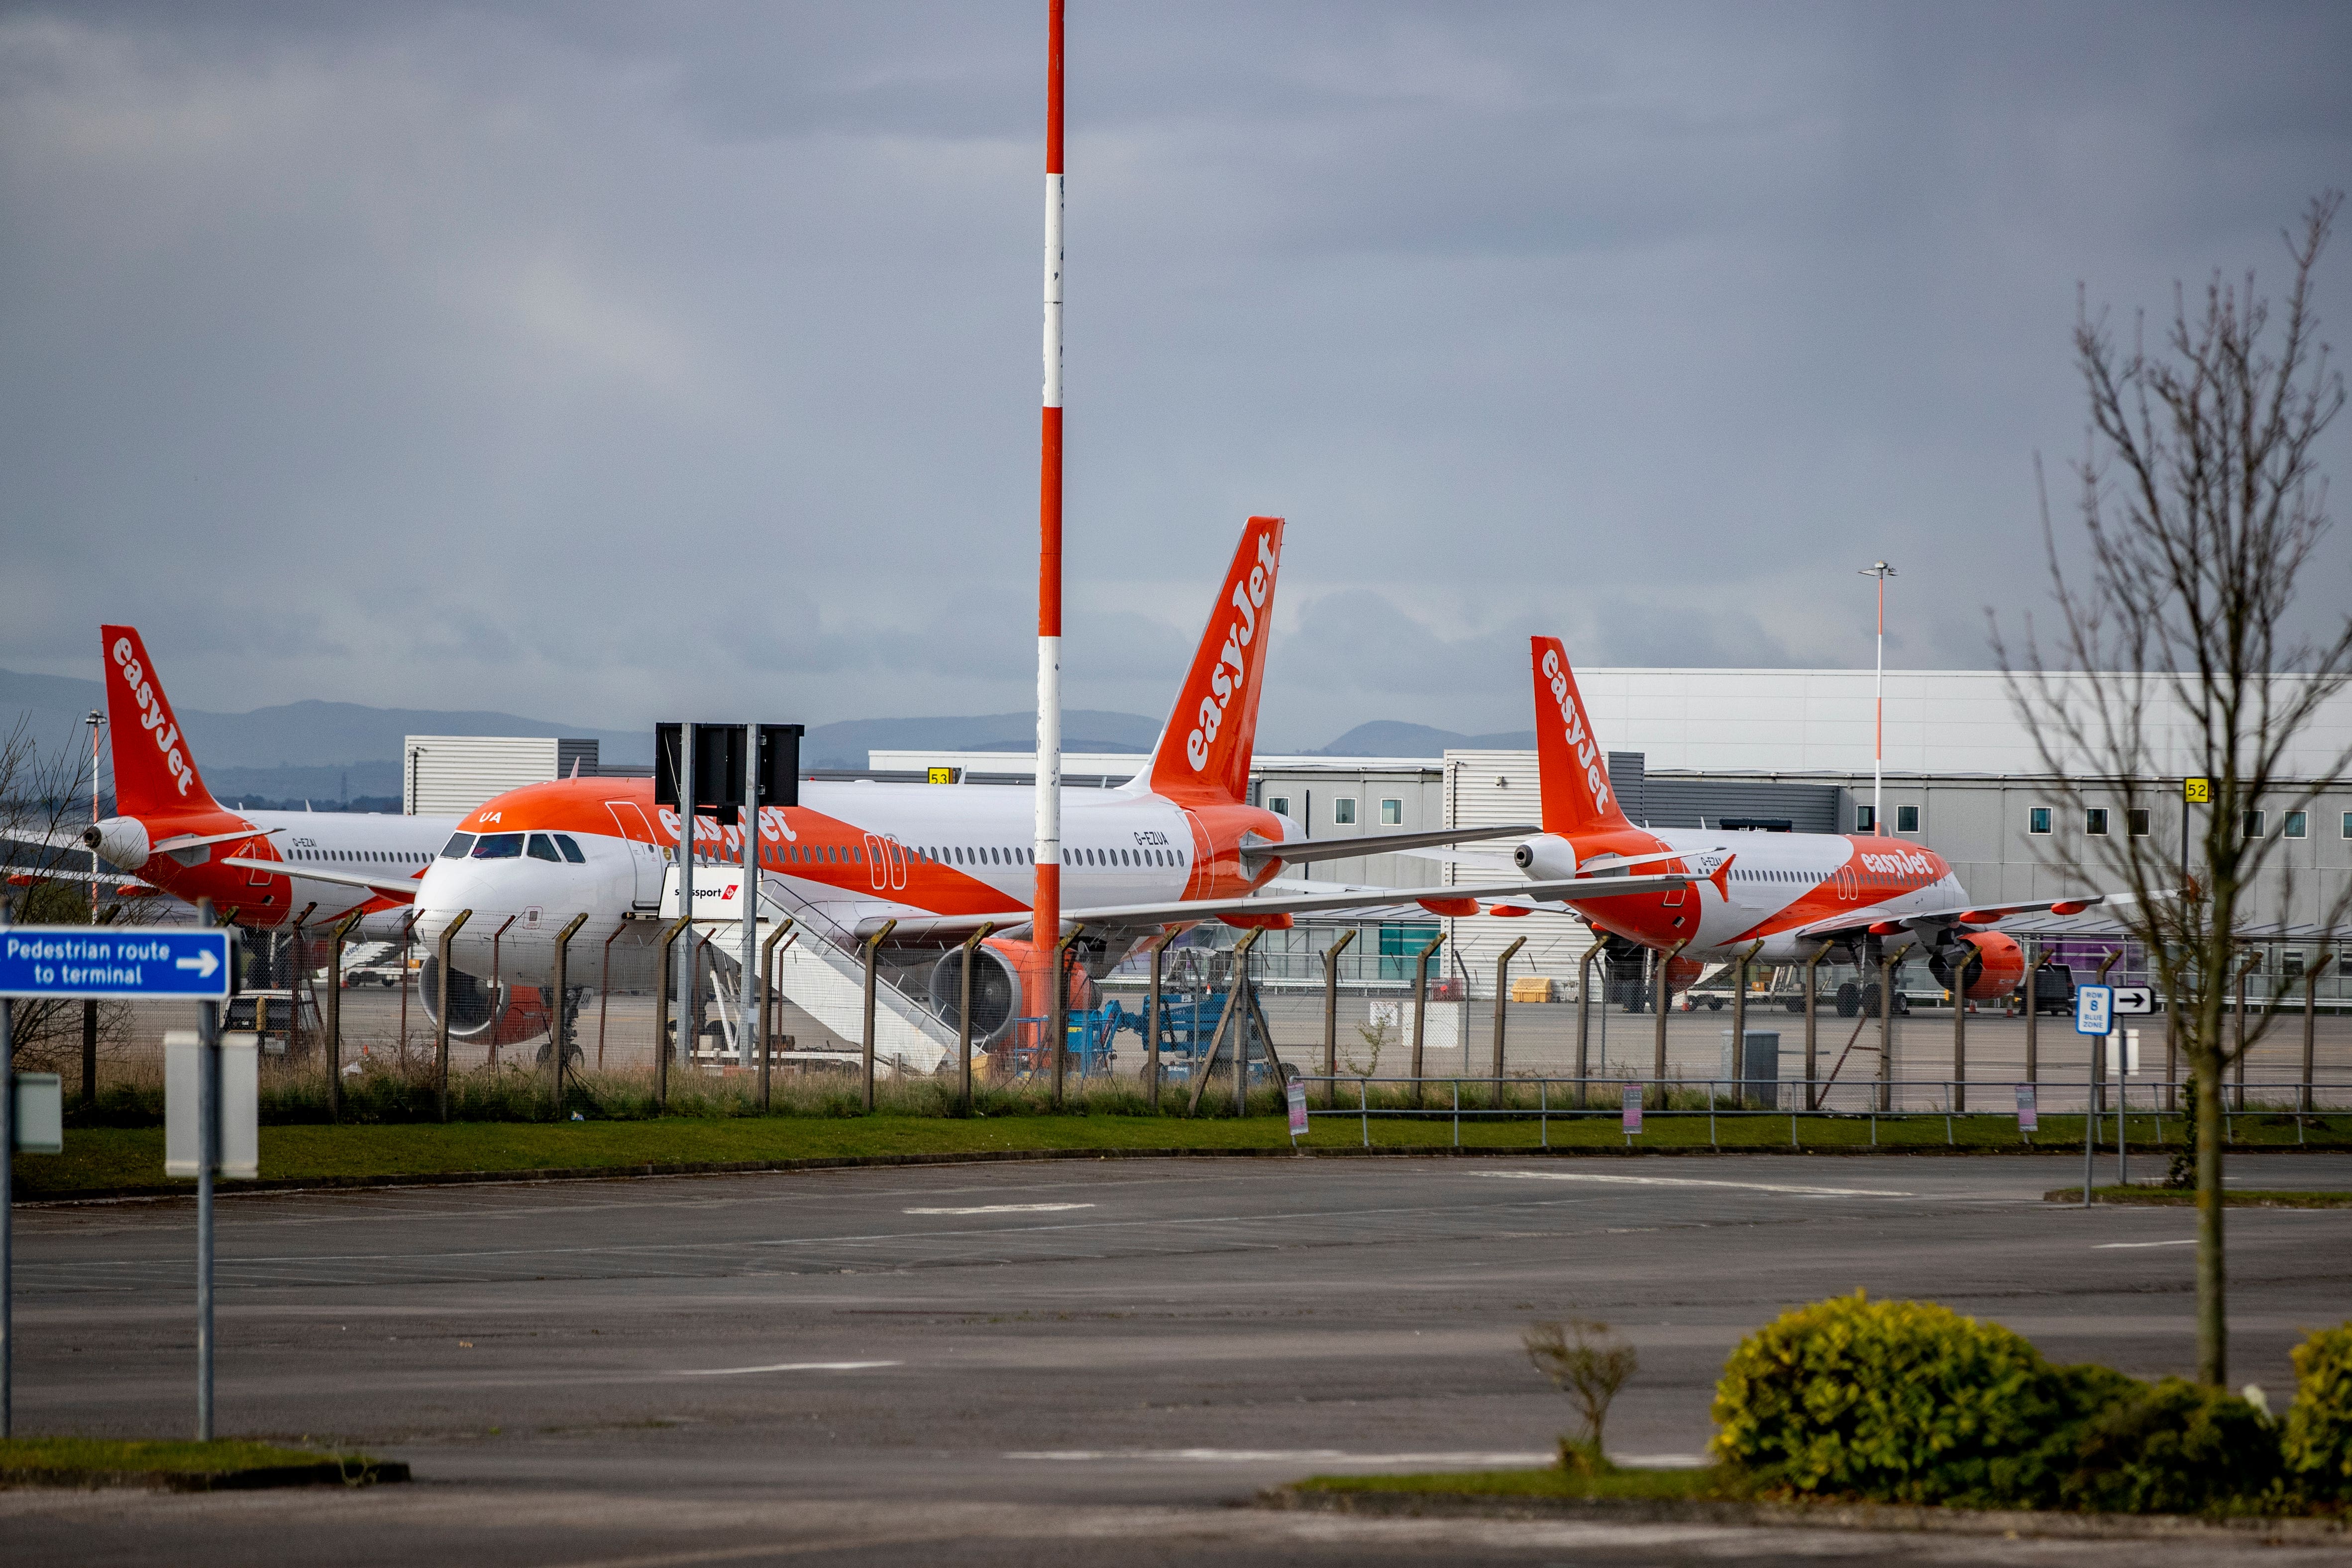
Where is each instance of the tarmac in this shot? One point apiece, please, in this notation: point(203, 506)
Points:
point(1067, 1362)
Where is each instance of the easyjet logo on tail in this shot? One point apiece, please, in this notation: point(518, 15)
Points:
point(154, 717)
point(1249, 599)
point(1580, 737)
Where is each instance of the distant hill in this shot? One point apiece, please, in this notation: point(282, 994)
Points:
point(845, 744)
point(1394, 738)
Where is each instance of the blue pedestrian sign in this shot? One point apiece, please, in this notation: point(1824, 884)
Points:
point(99, 961)
point(2094, 1009)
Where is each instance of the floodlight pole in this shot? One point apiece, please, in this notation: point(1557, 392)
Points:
point(1881, 571)
point(747, 820)
point(1046, 899)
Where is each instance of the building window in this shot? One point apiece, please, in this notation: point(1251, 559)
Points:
point(2037, 821)
point(2347, 824)
point(1865, 819)
point(2253, 824)
point(2138, 818)
point(2296, 824)
point(1906, 818)
point(1392, 814)
point(1278, 804)
point(2095, 821)
point(1343, 810)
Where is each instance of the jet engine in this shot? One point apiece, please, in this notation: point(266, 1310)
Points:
point(1998, 968)
point(120, 840)
point(479, 1010)
point(1008, 982)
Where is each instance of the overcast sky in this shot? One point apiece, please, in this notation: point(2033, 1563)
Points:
point(598, 361)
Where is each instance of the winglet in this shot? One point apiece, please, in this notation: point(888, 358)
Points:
point(1722, 879)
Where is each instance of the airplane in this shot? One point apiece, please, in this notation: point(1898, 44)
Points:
point(1179, 843)
point(1862, 898)
point(261, 869)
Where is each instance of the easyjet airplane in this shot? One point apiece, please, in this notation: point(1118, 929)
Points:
point(259, 868)
point(1863, 897)
point(1180, 843)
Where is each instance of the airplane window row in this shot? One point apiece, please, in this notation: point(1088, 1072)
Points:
point(370, 857)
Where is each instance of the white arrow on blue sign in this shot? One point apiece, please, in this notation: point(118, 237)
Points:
point(99, 961)
point(2094, 1009)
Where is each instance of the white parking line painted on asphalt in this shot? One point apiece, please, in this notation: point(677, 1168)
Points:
point(1282, 1456)
point(1691, 1181)
point(786, 1366)
point(1002, 1208)
point(2127, 1246)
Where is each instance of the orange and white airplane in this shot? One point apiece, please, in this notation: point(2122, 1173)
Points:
point(260, 869)
point(1863, 897)
point(1179, 843)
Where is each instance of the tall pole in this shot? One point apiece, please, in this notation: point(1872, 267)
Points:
point(687, 790)
point(1046, 901)
point(8, 1205)
point(747, 819)
point(1881, 571)
point(95, 717)
point(209, 1081)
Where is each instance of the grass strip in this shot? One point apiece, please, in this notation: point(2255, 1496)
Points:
point(2185, 1198)
point(101, 1161)
point(223, 1464)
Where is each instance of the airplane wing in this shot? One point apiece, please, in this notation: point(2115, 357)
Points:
point(1434, 900)
point(1886, 925)
point(127, 887)
point(1307, 851)
point(390, 886)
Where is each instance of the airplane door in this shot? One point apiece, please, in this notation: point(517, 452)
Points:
point(644, 860)
point(885, 863)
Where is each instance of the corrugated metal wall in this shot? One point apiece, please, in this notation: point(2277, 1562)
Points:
point(1499, 788)
point(453, 774)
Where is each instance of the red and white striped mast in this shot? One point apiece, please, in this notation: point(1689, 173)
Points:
point(1045, 904)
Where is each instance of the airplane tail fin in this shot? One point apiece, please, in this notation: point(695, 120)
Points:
point(1203, 754)
point(1572, 771)
point(154, 773)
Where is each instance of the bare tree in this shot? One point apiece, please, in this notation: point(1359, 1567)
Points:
point(2202, 501)
point(1590, 1364)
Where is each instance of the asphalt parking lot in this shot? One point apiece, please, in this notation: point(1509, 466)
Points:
point(1051, 1362)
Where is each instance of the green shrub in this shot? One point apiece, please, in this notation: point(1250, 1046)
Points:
point(2179, 1448)
point(2318, 1437)
point(1903, 1401)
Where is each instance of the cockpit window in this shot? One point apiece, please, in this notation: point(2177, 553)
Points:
point(498, 847)
point(459, 846)
point(571, 850)
point(542, 848)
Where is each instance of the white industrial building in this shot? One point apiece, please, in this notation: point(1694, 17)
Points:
point(452, 774)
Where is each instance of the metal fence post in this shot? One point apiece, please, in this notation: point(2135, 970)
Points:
point(963, 1018)
point(764, 1032)
point(1812, 1012)
point(1885, 1030)
point(441, 1022)
point(1331, 1014)
point(1420, 1009)
point(1242, 999)
point(1959, 1100)
point(1151, 1022)
point(342, 929)
point(559, 1031)
point(663, 976)
point(1058, 1016)
point(1664, 999)
point(90, 1016)
point(1584, 1020)
point(1502, 995)
point(873, 949)
point(2311, 1022)
point(2035, 958)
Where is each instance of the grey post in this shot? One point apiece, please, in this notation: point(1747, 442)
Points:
point(2310, 1022)
point(1665, 962)
point(89, 1015)
point(1057, 1012)
point(1968, 961)
point(747, 820)
point(7, 1206)
point(559, 1027)
point(335, 1013)
point(873, 949)
point(1244, 1005)
point(1151, 1021)
point(2034, 959)
point(1420, 1007)
point(441, 1022)
point(1331, 1014)
point(1584, 1020)
point(963, 1021)
point(1885, 1030)
point(662, 973)
point(690, 977)
point(2244, 969)
point(208, 1093)
point(761, 1032)
point(1502, 995)
point(1812, 1020)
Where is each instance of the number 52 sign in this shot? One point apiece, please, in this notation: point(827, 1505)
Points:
point(2196, 792)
